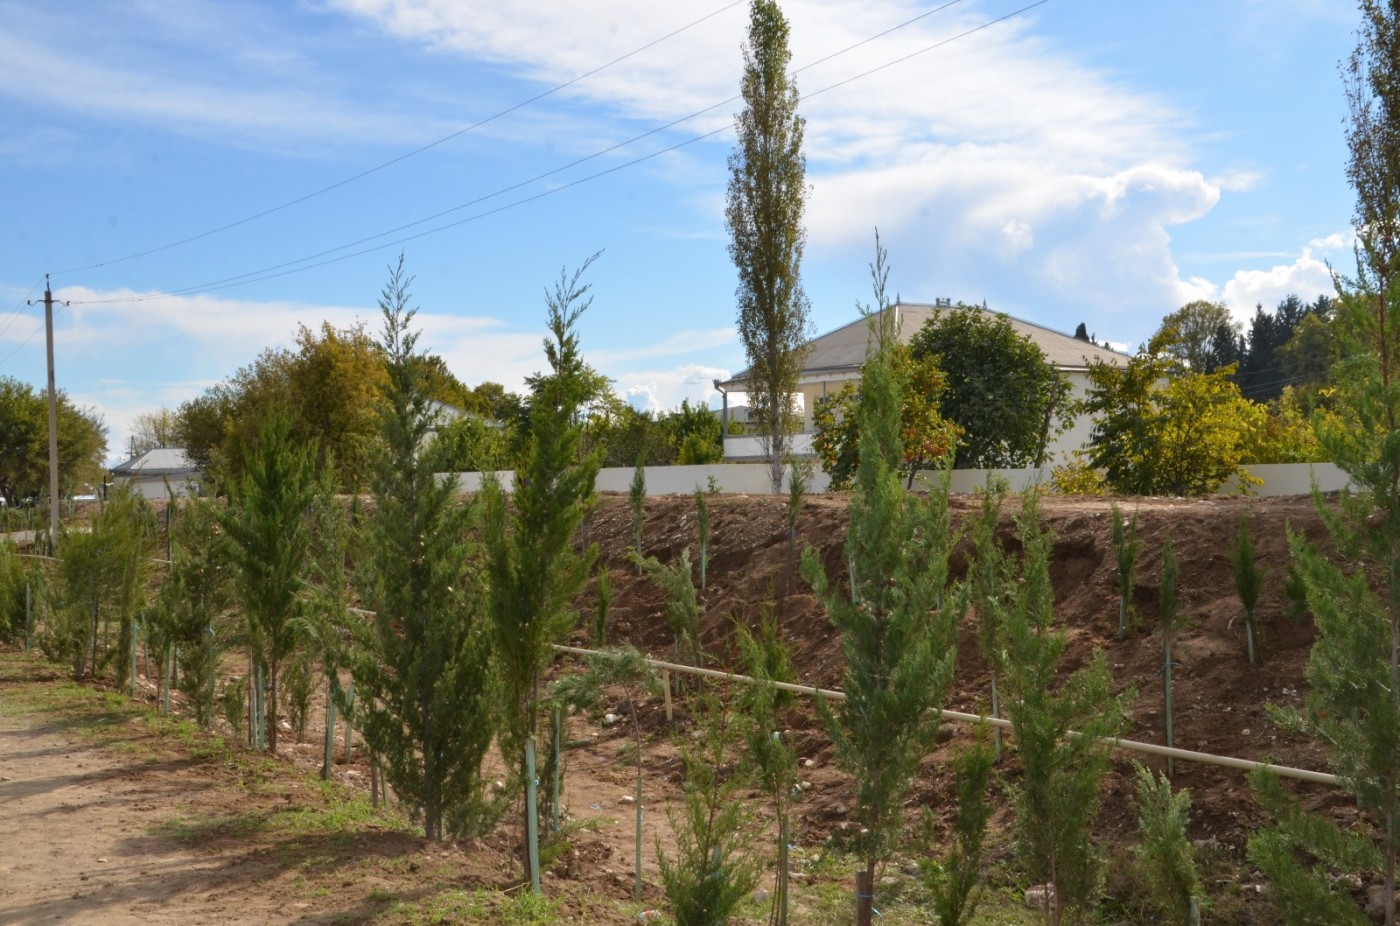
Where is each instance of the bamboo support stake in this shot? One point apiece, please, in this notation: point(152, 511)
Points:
point(554, 815)
point(666, 686)
point(349, 723)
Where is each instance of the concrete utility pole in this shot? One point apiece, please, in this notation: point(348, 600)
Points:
point(53, 416)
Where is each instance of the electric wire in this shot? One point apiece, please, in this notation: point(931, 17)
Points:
point(396, 160)
point(262, 273)
point(15, 312)
point(290, 267)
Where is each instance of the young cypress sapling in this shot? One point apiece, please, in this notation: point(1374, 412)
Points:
point(1165, 854)
point(714, 870)
point(898, 621)
point(799, 477)
point(953, 877)
point(1126, 547)
point(637, 499)
point(1058, 728)
point(985, 580)
point(1168, 616)
point(604, 591)
point(702, 529)
point(1249, 584)
point(422, 668)
point(269, 529)
point(772, 761)
point(682, 604)
point(536, 571)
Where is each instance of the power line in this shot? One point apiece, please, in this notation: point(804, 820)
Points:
point(291, 267)
point(403, 157)
point(15, 312)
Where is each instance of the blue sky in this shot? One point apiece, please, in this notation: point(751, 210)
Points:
point(1084, 160)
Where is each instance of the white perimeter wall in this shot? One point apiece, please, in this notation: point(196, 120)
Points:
point(752, 479)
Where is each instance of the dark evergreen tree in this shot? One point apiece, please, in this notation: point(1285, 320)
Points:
point(897, 618)
point(422, 668)
point(268, 521)
point(536, 569)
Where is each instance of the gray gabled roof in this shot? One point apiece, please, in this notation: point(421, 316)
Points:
point(843, 350)
point(163, 461)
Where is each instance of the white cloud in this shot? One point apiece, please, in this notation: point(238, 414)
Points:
point(663, 390)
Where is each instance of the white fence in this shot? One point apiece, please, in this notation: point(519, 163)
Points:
point(752, 479)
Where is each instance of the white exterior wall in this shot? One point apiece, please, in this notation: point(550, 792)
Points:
point(752, 479)
point(154, 489)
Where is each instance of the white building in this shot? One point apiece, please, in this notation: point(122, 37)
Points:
point(835, 358)
point(161, 473)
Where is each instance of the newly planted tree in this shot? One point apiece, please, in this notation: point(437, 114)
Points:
point(637, 500)
point(1126, 548)
point(772, 760)
point(683, 611)
point(536, 571)
point(713, 871)
point(897, 619)
point(986, 580)
point(1249, 583)
point(1169, 618)
point(269, 527)
point(1056, 727)
point(702, 529)
point(1165, 854)
point(422, 665)
point(799, 476)
point(1354, 671)
point(953, 876)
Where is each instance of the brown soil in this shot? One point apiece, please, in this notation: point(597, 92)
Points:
point(69, 803)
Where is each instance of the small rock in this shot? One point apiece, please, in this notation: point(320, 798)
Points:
point(102, 860)
point(627, 799)
point(1244, 732)
point(946, 731)
point(1375, 902)
point(760, 896)
point(842, 809)
point(809, 763)
point(804, 785)
point(610, 719)
point(1037, 896)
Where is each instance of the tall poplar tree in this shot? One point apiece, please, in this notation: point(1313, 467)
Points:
point(536, 568)
point(423, 668)
point(763, 210)
point(897, 620)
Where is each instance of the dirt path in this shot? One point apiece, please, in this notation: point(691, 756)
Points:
point(76, 826)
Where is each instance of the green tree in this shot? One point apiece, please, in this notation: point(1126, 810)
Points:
point(772, 760)
point(897, 620)
point(637, 501)
point(1161, 434)
point(153, 430)
point(1005, 398)
point(927, 437)
point(536, 572)
point(103, 572)
point(24, 442)
point(1353, 706)
point(713, 871)
point(954, 875)
point(269, 526)
point(422, 670)
point(1126, 548)
point(1165, 854)
point(683, 610)
point(195, 607)
point(1249, 583)
point(1057, 724)
point(1202, 336)
point(763, 212)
